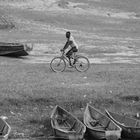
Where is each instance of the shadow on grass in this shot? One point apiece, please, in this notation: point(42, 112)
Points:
point(29, 102)
point(44, 129)
point(130, 98)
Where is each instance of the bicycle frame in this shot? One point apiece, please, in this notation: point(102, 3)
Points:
point(63, 56)
point(79, 62)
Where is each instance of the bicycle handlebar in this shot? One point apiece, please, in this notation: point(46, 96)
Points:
point(62, 51)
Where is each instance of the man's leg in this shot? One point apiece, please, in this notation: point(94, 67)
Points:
point(74, 51)
point(68, 54)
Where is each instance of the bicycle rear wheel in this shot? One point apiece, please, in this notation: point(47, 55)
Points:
point(82, 63)
point(58, 64)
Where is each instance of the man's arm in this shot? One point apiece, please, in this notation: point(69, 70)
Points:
point(66, 45)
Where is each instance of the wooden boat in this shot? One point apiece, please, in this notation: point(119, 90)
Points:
point(65, 125)
point(14, 49)
point(99, 126)
point(5, 129)
point(130, 127)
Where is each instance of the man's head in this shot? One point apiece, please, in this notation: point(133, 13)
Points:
point(68, 34)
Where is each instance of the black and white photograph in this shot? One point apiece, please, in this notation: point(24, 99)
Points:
point(69, 69)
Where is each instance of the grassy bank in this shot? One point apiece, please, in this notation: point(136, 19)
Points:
point(30, 91)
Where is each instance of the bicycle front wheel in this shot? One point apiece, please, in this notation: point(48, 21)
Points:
point(82, 63)
point(58, 64)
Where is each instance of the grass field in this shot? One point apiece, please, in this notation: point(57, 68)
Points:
point(106, 30)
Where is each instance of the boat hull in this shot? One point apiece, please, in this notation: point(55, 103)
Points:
point(66, 126)
point(68, 136)
point(5, 129)
point(95, 134)
point(13, 49)
point(14, 53)
point(128, 125)
point(99, 126)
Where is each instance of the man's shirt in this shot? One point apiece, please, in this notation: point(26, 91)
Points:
point(71, 42)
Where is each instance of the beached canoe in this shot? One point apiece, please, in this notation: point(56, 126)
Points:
point(65, 125)
point(14, 49)
point(99, 126)
point(5, 129)
point(130, 127)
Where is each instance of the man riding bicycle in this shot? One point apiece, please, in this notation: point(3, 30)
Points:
point(74, 47)
point(79, 62)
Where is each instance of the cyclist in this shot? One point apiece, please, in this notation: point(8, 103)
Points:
point(70, 42)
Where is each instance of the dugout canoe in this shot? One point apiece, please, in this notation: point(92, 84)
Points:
point(65, 125)
point(14, 49)
point(130, 126)
point(5, 129)
point(99, 126)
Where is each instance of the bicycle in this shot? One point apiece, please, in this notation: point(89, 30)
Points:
point(79, 62)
